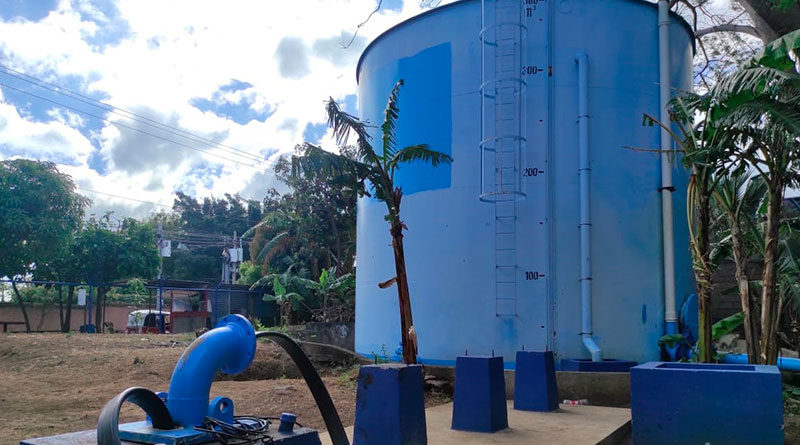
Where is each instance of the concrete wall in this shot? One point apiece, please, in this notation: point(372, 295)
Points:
point(45, 318)
point(337, 334)
point(599, 388)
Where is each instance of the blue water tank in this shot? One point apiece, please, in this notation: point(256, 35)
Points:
point(454, 239)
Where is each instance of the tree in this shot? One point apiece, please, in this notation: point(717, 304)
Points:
point(249, 273)
point(202, 227)
point(739, 197)
point(377, 168)
point(314, 222)
point(106, 255)
point(750, 119)
point(729, 36)
point(701, 143)
point(63, 266)
point(40, 211)
point(773, 18)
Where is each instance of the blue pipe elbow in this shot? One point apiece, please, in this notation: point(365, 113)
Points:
point(230, 348)
point(591, 346)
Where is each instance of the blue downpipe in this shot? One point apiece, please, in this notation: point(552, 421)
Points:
point(584, 172)
point(230, 348)
point(784, 363)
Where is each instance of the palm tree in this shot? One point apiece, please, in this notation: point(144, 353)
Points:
point(378, 168)
point(760, 103)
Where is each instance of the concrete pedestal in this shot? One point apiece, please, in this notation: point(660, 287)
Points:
point(390, 406)
point(535, 387)
point(479, 399)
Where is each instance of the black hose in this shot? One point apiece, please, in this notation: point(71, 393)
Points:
point(108, 424)
point(315, 384)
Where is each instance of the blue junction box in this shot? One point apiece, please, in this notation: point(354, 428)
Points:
point(587, 365)
point(390, 406)
point(535, 386)
point(479, 396)
point(687, 403)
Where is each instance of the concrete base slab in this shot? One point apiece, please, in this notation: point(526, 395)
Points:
point(574, 425)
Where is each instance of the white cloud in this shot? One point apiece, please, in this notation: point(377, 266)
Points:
point(186, 50)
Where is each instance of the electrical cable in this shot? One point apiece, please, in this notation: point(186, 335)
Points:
point(124, 113)
point(180, 144)
point(162, 205)
point(243, 430)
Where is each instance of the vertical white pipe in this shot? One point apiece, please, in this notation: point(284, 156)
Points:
point(584, 173)
point(667, 188)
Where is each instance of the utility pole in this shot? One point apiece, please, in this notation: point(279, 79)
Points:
point(160, 234)
point(232, 254)
point(164, 250)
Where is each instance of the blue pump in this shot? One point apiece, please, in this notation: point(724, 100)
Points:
point(184, 414)
point(229, 348)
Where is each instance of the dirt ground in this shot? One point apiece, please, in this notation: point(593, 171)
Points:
point(57, 383)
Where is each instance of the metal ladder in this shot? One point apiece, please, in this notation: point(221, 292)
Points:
point(502, 136)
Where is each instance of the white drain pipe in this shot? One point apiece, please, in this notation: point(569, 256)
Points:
point(584, 172)
point(670, 316)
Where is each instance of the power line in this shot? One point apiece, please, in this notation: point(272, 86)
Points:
point(128, 127)
point(126, 113)
point(167, 206)
point(125, 197)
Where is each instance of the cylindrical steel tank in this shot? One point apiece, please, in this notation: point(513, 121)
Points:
point(459, 247)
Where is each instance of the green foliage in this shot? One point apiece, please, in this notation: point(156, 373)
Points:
point(726, 326)
point(670, 340)
point(249, 273)
point(369, 166)
point(40, 209)
point(313, 223)
point(791, 399)
point(718, 329)
point(781, 4)
point(209, 216)
point(108, 255)
point(377, 169)
point(383, 357)
point(133, 292)
point(349, 376)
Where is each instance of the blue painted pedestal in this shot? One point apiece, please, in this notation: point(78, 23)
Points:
point(390, 406)
point(535, 387)
point(683, 403)
point(479, 399)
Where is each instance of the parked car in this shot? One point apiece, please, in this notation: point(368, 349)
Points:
point(146, 321)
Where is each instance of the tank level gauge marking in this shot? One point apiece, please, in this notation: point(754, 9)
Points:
point(530, 70)
point(533, 275)
point(528, 171)
point(530, 6)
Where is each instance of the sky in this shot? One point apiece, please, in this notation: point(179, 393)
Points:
point(204, 95)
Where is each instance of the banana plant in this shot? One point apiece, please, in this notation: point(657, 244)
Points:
point(376, 167)
point(287, 291)
point(738, 197)
point(334, 294)
point(760, 104)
